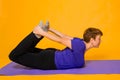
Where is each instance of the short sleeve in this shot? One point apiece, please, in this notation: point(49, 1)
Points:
point(77, 44)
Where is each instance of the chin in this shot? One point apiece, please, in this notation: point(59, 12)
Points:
point(96, 47)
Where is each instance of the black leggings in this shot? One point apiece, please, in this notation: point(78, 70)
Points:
point(26, 54)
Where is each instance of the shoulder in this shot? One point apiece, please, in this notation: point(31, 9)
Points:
point(76, 39)
point(77, 43)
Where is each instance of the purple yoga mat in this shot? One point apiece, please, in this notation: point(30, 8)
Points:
point(92, 67)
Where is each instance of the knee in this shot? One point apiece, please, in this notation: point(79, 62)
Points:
point(12, 56)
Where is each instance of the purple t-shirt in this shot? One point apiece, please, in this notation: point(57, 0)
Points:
point(71, 58)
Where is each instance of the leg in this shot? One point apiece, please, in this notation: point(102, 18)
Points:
point(26, 45)
point(25, 54)
point(29, 43)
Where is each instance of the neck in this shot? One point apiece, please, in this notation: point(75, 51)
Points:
point(88, 46)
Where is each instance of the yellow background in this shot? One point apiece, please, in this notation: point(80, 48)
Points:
point(72, 17)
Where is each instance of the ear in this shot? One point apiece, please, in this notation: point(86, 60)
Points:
point(91, 40)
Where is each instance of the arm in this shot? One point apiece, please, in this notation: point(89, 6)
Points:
point(63, 40)
point(59, 33)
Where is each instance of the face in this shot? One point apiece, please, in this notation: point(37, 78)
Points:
point(96, 42)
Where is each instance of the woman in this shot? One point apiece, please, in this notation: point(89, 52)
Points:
point(51, 58)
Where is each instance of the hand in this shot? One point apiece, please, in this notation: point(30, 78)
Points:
point(38, 30)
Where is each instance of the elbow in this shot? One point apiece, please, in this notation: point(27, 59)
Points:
point(61, 40)
point(66, 42)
